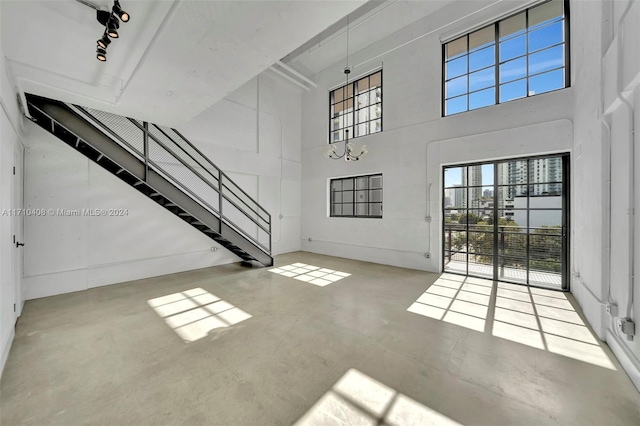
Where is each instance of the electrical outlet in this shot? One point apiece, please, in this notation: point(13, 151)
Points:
point(627, 327)
point(427, 255)
point(309, 239)
point(214, 249)
point(612, 310)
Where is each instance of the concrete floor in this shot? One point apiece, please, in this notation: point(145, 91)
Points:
point(282, 350)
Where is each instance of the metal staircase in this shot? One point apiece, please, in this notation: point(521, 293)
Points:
point(163, 165)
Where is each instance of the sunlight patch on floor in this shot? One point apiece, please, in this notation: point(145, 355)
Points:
point(456, 301)
point(540, 318)
point(192, 314)
point(357, 399)
point(310, 274)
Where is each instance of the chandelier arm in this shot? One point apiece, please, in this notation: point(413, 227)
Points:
point(337, 157)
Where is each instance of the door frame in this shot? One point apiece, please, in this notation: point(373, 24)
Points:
point(566, 216)
point(17, 227)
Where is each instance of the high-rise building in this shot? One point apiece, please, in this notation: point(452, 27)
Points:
point(503, 193)
point(545, 177)
point(472, 177)
point(459, 196)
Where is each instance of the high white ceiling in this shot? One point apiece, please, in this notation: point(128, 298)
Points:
point(369, 24)
point(173, 60)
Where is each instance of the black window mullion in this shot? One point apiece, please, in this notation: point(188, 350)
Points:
point(353, 199)
point(497, 60)
point(526, 33)
point(468, 72)
point(354, 202)
point(526, 43)
point(567, 36)
point(353, 109)
point(528, 219)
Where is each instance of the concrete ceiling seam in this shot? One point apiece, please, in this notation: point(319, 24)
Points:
point(169, 16)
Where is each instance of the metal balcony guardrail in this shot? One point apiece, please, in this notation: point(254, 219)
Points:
point(538, 247)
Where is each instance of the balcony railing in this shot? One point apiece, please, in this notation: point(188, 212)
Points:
point(536, 249)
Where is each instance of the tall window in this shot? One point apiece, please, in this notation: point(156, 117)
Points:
point(523, 55)
point(356, 107)
point(359, 196)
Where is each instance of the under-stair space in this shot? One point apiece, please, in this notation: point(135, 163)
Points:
point(163, 165)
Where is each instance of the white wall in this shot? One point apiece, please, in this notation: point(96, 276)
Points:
point(601, 252)
point(257, 146)
point(254, 135)
point(11, 134)
point(415, 143)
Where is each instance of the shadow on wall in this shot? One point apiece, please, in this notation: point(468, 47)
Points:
point(192, 314)
point(357, 399)
point(543, 319)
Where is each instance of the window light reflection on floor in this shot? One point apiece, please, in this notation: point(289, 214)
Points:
point(192, 314)
point(543, 319)
point(357, 399)
point(310, 274)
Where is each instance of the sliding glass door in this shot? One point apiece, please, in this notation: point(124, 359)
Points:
point(507, 220)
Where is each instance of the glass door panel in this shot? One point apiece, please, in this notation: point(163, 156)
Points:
point(507, 220)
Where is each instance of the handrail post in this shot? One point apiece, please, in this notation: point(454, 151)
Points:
point(502, 252)
point(270, 233)
point(145, 139)
point(220, 199)
point(449, 245)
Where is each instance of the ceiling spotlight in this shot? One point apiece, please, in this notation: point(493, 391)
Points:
point(112, 33)
point(124, 16)
point(112, 26)
point(104, 41)
point(109, 21)
point(101, 54)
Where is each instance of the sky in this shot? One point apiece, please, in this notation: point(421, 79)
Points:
point(453, 176)
point(529, 63)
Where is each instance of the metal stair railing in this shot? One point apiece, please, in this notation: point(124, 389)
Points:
point(169, 153)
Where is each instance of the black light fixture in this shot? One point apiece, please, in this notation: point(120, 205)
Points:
point(101, 54)
point(111, 21)
point(104, 41)
point(124, 16)
point(349, 153)
point(111, 32)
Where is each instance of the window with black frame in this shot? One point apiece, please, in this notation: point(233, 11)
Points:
point(520, 56)
point(357, 108)
point(357, 196)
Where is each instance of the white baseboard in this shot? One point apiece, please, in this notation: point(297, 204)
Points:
point(101, 275)
point(627, 359)
point(46, 285)
point(591, 307)
point(383, 256)
point(6, 347)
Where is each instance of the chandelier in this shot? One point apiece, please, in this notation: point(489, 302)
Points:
point(349, 153)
